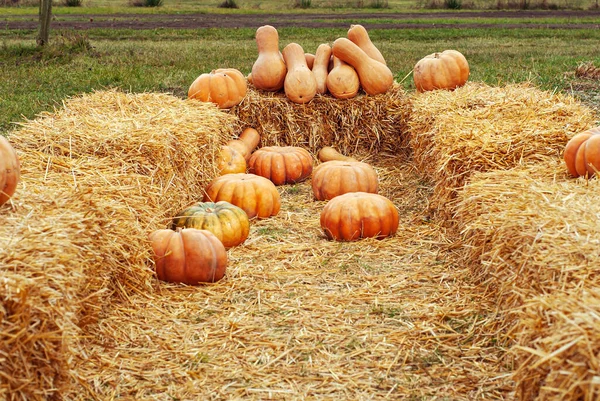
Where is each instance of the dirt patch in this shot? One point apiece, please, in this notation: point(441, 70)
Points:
point(316, 20)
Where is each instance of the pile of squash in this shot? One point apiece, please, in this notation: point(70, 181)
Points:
point(194, 248)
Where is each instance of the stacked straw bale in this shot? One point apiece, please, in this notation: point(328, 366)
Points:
point(482, 128)
point(361, 125)
point(533, 235)
point(98, 175)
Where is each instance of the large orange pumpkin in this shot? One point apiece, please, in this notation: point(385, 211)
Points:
point(334, 178)
point(281, 164)
point(10, 170)
point(229, 223)
point(359, 215)
point(188, 256)
point(446, 70)
point(256, 195)
point(582, 153)
point(226, 87)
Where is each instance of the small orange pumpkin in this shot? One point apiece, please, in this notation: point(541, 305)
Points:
point(335, 178)
point(10, 170)
point(281, 164)
point(226, 87)
point(256, 195)
point(230, 161)
point(357, 215)
point(582, 153)
point(188, 256)
point(229, 223)
point(446, 70)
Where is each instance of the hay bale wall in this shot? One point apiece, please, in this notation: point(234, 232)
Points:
point(361, 125)
point(482, 128)
point(98, 175)
point(534, 240)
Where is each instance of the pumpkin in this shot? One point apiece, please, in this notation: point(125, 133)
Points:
point(327, 153)
point(446, 70)
point(342, 81)
point(230, 161)
point(229, 223)
point(335, 178)
point(375, 77)
point(300, 85)
point(256, 195)
point(358, 34)
point(582, 153)
point(281, 164)
point(226, 87)
point(320, 67)
point(269, 69)
point(188, 256)
point(10, 170)
point(357, 215)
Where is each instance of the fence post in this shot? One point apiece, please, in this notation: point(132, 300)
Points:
point(45, 16)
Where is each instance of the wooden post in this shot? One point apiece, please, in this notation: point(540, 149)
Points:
point(45, 16)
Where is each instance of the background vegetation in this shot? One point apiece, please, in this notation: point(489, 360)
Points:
point(168, 60)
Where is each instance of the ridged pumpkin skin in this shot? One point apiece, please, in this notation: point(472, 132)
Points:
point(226, 87)
point(375, 77)
point(188, 256)
point(300, 85)
point(229, 223)
point(320, 67)
point(10, 170)
point(582, 153)
point(357, 215)
point(342, 81)
point(230, 161)
point(335, 178)
point(269, 69)
point(256, 195)
point(281, 164)
point(446, 70)
point(359, 35)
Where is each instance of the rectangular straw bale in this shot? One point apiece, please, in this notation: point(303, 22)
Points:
point(534, 243)
point(363, 124)
point(481, 128)
point(98, 175)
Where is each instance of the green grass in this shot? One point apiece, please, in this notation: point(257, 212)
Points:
point(166, 60)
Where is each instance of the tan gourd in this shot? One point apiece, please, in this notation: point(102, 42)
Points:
point(251, 138)
point(375, 77)
point(300, 85)
point(342, 81)
point(358, 34)
point(310, 59)
point(327, 153)
point(269, 69)
point(320, 67)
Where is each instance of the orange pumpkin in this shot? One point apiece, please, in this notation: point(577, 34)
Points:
point(256, 195)
point(446, 70)
point(582, 153)
point(188, 256)
point(226, 87)
point(230, 161)
point(229, 223)
point(281, 164)
point(335, 178)
point(357, 215)
point(10, 170)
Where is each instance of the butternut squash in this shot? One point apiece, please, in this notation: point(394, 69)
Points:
point(269, 69)
point(320, 67)
point(375, 77)
point(358, 34)
point(327, 154)
point(310, 60)
point(342, 81)
point(250, 137)
point(300, 85)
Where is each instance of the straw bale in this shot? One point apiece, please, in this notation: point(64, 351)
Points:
point(481, 128)
point(533, 243)
point(361, 125)
point(98, 175)
point(587, 70)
